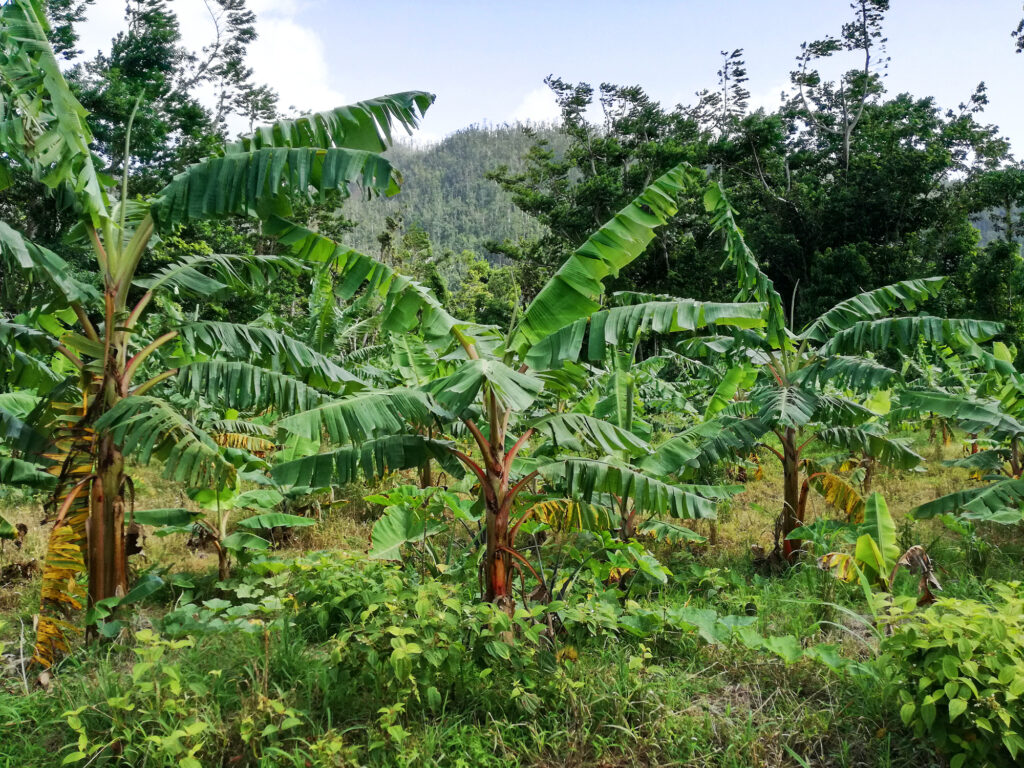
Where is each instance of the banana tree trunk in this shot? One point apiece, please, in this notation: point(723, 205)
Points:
point(223, 563)
point(106, 555)
point(791, 512)
point(498, 561)
point(426, 475)
point(107, 562)
point(628, 528)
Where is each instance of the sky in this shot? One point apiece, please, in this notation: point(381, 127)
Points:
point(486, 60)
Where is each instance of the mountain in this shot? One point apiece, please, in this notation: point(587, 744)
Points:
point(445, 191)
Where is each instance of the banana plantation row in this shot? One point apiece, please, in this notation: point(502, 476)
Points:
point(619, 414)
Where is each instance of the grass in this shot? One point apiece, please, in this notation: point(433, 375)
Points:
point(605, 700)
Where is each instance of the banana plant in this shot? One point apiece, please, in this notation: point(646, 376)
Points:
point(994, 407)
point(498, 379)
point(876, 559)
point(812, 383)
point(630, 394)
point(84, 348)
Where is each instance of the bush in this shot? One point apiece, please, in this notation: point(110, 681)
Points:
point(963, 666)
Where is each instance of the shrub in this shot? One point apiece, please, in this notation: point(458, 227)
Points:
point(155, 721)
point(963, 666)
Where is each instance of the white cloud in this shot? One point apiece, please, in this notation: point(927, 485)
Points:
point(287, 56)
point(769, 98)
point(103, 22)
point(538, 106)
point(290, 59)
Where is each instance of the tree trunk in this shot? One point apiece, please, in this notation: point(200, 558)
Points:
point(869, 473)
point(498, 562)
point(628, 528)
point(791, 492)
point(107, 563)
point(426, 475)
point(223, 563)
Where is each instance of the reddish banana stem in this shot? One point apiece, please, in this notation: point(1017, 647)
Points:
point(511, 495)
point(804, 444)
point(521, 559)
point(70, 499)
point(101, 252)
point(522, 519)
point(87, 326)
point(481, 441)
point(515, 449)
point(476, 469)
point(133, 318)
point(75, 359)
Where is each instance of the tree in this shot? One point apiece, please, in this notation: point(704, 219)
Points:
point(810, 379)
point(987, 401)
point(1018, 35)
point(499, 377)
point(842, 191)
point(92, 407)
point(723, 108)
point(838, 108)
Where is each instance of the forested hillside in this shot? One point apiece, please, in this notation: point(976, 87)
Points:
point(446, 191)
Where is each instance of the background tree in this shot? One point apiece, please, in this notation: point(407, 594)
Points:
point(837, 108)
point(1018, 35)
point(837, 201)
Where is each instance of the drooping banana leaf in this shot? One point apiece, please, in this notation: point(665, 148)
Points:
point(974, 415)
point(408, 306)
point(888, 451)
point(459, 390)
point(41, 265)
point(856, 373)
point(787, 406)
point(24, 473)
point(244, 387)
point(207, 275)
point(276, 520)
point(986, 461)
point(725, 391)
point(42, 124)
point(266, 181)
point(572, 515)
point(371, 460)
point(872, 305)
point(249, 343)
point(1000, 502)
point(572, 293)
point(904, 333)
point(365, 125)
point(581, 479)
point(362, 417)
point(596, 433)
point(149, 427)
point(754, 284)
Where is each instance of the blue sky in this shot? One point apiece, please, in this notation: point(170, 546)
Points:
point(486, 61)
